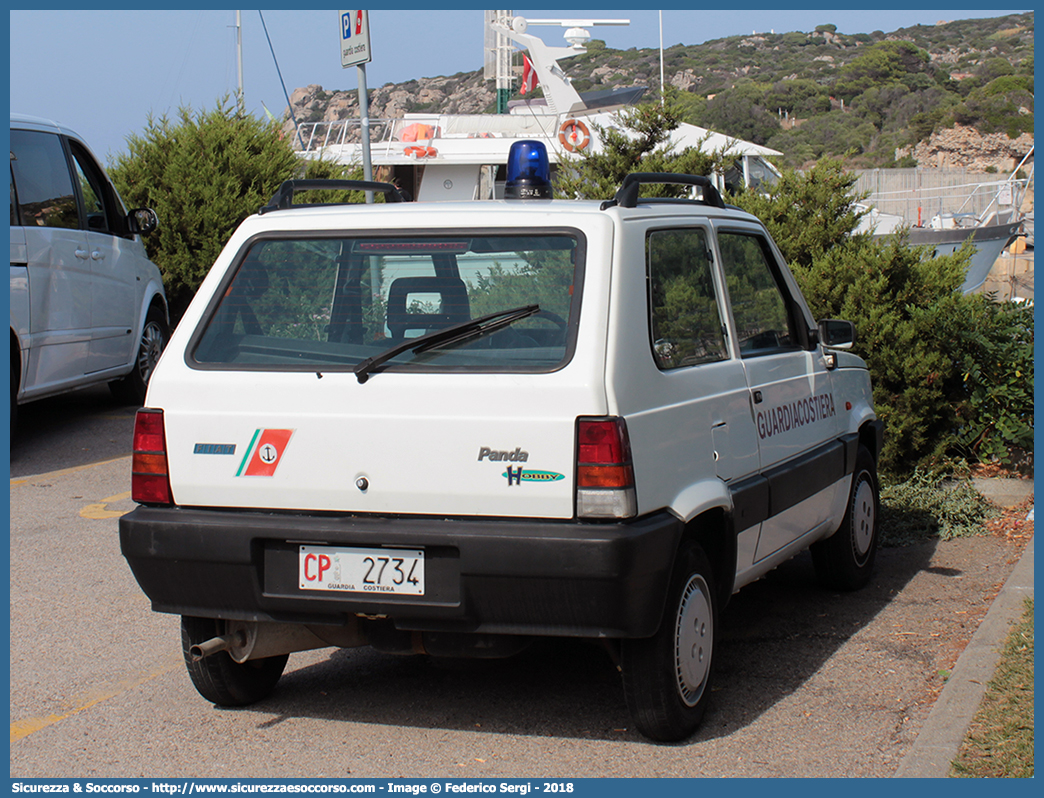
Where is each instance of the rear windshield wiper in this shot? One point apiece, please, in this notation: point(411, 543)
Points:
point(466, 329)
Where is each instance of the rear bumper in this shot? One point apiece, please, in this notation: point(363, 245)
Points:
point(482, 575)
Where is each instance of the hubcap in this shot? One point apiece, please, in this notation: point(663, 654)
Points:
point(693, 640)
point(863, 518)
point(150, 350)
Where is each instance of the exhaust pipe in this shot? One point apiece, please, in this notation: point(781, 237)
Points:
point(215, 644)
point(249, 640)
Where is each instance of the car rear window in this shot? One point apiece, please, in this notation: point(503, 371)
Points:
point(329, 302)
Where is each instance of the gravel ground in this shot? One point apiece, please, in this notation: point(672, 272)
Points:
point(810, 682)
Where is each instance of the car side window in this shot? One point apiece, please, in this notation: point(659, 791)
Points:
point(685, 321)
point(46, 197)
point(764, 323)
point(92, 188)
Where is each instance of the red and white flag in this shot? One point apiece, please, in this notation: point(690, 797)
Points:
point(529, 76)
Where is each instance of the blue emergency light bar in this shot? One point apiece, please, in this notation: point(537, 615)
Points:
point(528, 171)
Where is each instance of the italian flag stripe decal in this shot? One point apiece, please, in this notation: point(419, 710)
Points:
point(249, 450)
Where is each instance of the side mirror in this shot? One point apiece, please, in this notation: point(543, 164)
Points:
point(142, 220)
point(837, 334)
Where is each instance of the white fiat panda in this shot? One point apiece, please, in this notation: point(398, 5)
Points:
point(451, 428)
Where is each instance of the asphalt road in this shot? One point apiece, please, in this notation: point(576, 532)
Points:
point(809, 682)
point(72, 429)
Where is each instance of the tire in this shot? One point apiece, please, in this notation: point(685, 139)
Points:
point(219, 678)
point(14, 394)
point(845, 560)
point(667, 676)
point(131, 389)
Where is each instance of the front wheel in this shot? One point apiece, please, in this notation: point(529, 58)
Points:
point(845, 560)
point(14, 393)
point(219, 678)
point(667, 676)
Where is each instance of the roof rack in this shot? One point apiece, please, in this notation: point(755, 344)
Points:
point(284, 197)
point(627, 195)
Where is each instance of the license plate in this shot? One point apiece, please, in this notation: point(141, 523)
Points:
point(351, 570)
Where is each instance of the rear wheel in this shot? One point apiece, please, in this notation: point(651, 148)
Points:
point(131, 389)
point(845, 560)
point(221, 679)
point(667, 676)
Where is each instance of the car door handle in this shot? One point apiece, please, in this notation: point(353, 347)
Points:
point(81, 254)
point(758, 397)
point(96, 255)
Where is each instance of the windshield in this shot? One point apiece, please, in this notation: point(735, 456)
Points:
point(330, 303)
point(752, 173)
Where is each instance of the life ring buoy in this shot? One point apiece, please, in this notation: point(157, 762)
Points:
point(574, 135)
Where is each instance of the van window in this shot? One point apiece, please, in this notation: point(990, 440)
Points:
point(93, 190)
point(44, 187)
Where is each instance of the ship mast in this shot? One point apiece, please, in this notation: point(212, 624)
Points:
point(561, 97)
point(497, 58)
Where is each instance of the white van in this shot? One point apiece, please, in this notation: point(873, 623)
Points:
point(87, 305)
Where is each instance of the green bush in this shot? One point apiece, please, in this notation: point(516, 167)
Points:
point(203, 173)
point(995, 346)
point(951, 373)
point(824, 134)
point(1004, 105)
point(1007, 83)
point(740, 115)
point(885, 63)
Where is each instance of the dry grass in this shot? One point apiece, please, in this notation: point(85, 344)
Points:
point(999, 743)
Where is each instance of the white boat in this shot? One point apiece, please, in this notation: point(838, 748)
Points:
point(440, 157)
point(983, 212)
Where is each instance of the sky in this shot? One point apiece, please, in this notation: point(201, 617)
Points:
point(103, 73)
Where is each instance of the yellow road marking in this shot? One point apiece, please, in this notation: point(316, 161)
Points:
point(96, 512)
point(99, 512)
point(63, 472)
point(26, 726)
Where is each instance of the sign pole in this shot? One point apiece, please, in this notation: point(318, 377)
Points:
point(364, 118)
point(355, 51)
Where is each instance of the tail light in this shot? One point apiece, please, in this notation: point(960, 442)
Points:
point(604, 473)
point(150, 479)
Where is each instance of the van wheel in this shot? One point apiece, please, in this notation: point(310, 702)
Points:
point(845, 560)
point(219, 678)
point(131, 389)
point(667, 676)
point(14, 395)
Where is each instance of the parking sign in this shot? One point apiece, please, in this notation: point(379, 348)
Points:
point(355, 38)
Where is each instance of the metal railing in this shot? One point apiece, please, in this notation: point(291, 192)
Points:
point(918, 194)
point(322, 135)
point(316, 136)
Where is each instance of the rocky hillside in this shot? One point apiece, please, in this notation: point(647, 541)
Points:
point(966, 147)
point(466, 93)
point(878, 99)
